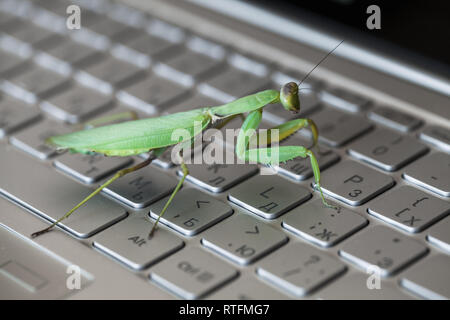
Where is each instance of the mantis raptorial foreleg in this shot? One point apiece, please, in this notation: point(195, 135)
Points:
point(118, 174)
point(284, 153)
point(286, 129)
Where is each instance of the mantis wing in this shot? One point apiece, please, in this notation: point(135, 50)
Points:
point(133, 137)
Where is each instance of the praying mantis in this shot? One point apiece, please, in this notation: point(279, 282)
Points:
point(154, 135)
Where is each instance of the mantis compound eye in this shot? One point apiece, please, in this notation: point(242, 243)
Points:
point(289, 97)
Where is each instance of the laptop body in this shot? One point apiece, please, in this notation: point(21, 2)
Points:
point(106, 273)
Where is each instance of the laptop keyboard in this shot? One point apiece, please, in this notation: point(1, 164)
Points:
point(387, 172)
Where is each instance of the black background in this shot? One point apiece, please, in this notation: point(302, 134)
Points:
point(412, 30)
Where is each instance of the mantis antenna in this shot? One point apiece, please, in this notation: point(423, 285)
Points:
point(323, 59)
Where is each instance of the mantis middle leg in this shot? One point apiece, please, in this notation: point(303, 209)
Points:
point(118, 174)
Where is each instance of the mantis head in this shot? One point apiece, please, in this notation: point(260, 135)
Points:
point(289, 97)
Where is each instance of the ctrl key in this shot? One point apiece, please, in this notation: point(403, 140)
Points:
point(192, 273)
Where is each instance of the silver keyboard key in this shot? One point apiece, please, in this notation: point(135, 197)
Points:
point(165, 30)
point(437, 136)
point(205, 47)
point(275, 113)
point(186, 67)
point(300, 168)
point(299, 269)
point(127, 242)
point(247, 64)
point(14, 115)
point(9, 62)
point(191, 212)
point(268, 196)
point(33, 139)
point(142, 49)
point(386, 149)
point(30, 33)
point(248, 288)
point(76, 104)
point(27, 271)
point(36, 83)
point(232, 84)
point(338, 128)
point(354, 287)
point(321, 225)
point(432, 173)
point(192, 273)
point(67, 54)
point(344, 100)
point(141, 188)
point(394, 119)
point(5, 19)
point(439, 235)
point(354, 183)
point(152, 94)
point(243, 239)
point(165, 160)
point(109, 75)
point(89, 168)
point(219, 177)
point(429, 279)
point(111, 28)
point(383, 247)
point(409, 209)
point(50, 195)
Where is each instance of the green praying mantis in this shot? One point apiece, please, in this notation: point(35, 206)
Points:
point(154, 135)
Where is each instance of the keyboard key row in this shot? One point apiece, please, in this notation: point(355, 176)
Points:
point(386, 149)
point(49, 194)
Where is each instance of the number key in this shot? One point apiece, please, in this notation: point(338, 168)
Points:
point(354, 183)
point(383, 247)
point(386, 149)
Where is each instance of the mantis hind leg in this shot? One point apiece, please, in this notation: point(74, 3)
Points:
point(275, 155)
point(118, 174)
